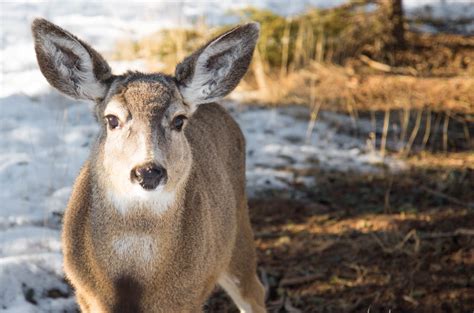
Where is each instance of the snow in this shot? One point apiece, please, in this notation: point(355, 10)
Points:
point(280, 152)
point(45, 137)
point(446, 10)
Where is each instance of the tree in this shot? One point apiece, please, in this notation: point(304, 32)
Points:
point(395, 23)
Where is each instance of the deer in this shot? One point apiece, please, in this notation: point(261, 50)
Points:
point(158, 215)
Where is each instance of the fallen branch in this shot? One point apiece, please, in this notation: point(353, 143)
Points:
point(375, 65)
point(387, 68)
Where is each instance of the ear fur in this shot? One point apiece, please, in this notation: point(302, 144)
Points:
point(215, 70)
point(69, 64)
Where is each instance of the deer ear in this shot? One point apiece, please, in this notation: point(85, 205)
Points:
point(215, 70)
point(70, 65)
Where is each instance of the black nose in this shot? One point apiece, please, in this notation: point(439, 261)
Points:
point(148, 175)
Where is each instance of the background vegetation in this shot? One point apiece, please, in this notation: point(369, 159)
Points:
point(397, 241)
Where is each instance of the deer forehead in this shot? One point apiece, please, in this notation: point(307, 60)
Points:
point(146, 95)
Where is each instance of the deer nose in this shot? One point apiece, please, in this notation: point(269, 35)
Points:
point(148, 175)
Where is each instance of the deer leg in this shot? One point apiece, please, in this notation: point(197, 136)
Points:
point(246, 292)
point(240, 279)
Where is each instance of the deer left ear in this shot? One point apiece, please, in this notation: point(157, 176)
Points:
point(216, 69)
point(69, 64)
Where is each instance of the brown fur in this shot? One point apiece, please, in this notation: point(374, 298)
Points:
point(169, 261)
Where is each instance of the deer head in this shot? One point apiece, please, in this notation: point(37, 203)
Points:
point(142, 155)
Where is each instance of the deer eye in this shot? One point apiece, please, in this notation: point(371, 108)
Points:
point(112, 121)
point(178, 122)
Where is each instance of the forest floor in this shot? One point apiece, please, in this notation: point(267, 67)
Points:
point(395, 241)
point(363, 244)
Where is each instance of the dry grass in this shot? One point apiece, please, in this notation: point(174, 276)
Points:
point(164, 49)
point(338, 59)
point(341, 88)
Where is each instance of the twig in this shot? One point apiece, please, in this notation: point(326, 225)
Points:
point(385, 131)
point(445, 132)
point(292, 281)
point(285, 48)
point(414, 132)
point(387, 68)
point(410, 300)
point(404, 124)
point(427, 129)
point(276, 305)
point(447, 197)
point(375, 65)
point(266, 284)
point(399, 246)
point(457, 232)
point(259, 72)
point(316, 105)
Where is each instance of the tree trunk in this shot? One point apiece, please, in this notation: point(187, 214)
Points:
point(396, 27)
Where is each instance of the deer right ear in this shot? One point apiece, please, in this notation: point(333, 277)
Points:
point(70, 65)
point(213, 71)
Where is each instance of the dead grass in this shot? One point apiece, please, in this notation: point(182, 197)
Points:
point(340, 88)
point(164, 49)
point(337, 59)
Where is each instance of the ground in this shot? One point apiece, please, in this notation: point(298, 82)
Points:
point(340, 225)
point(341, 250)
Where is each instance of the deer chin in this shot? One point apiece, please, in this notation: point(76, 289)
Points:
point(134, 197)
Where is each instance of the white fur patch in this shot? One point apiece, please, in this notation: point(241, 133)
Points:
point(231, 286)
point(140, 248)
point(157, 200)
point(87, 85)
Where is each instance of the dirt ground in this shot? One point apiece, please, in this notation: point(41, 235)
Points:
point(401, 243)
